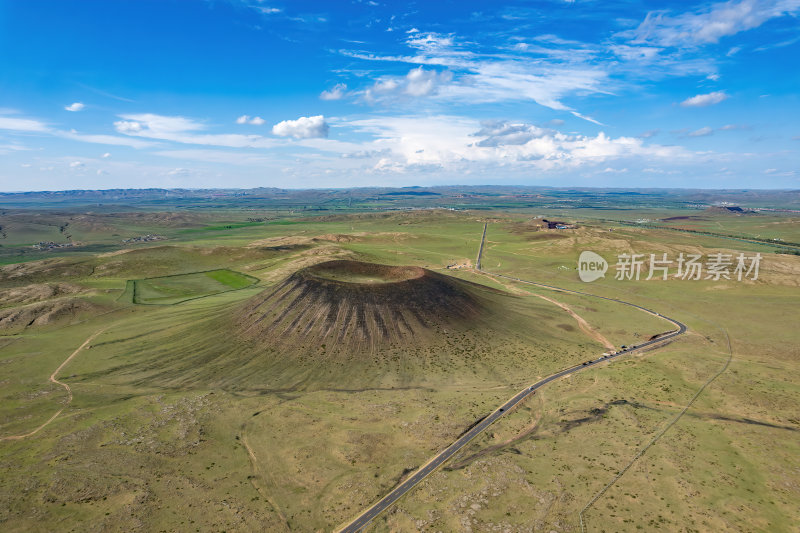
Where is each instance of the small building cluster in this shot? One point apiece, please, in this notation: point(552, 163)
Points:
point(144, 238)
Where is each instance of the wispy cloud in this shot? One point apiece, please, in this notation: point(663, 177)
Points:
point(470, 77)
point(247, 119)
point(29, 125)
point(703, 100)
point(702, 132)
point(334, 93)
point(709, 25)
point(111, 140)
point(22, 124)
point(184, 130)
point(77, 106)
point(215, 156)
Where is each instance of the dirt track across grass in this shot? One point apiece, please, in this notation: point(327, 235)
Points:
point(53, 379)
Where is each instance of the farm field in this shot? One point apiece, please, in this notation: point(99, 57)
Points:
point(178, 288)
point(233, 409)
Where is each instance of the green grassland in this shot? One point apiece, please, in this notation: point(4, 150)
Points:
point(178, 288)
point(176, 425)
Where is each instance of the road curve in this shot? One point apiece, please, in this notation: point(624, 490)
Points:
point(439, 459)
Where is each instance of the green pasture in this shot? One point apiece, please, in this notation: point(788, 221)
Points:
point(167, 290)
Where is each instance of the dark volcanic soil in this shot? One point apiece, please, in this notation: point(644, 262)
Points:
point(356, 306)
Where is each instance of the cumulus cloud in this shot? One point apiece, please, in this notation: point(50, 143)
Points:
point(334, 93)
point(452, 143)
point(77, 106)
point(247, 119)
point(497, 133)
point(710, 24)
point(703, 100)
point(106, 155)
point(302, 128)
point(76, 164)
point(417, 83)
point(421, 82)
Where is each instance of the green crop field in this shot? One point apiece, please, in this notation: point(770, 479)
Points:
point(167, 290)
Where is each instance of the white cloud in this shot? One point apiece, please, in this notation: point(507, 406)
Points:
point(76, 164)
point(458, 143)
point(710, 24)
point(247, 119)
point(417, 83)
point(31, 125)
point(5, 148)
point(179, 172)
point(302, 128)
point(111, 140)
point(498, 133)
point(215, 156)
point(702, 100)
point(22, 124)
point(610, 170)
point(334, 93)
point(485, 77)
point(106, 155)
point(77, 106)
point(184, 130)
point(420, 82)
point(702, 132)
point(149, 124)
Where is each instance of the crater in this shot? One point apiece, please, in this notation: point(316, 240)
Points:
point(356, 306)
point(357, 272)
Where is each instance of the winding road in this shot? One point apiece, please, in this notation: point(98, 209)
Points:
point(439, 459)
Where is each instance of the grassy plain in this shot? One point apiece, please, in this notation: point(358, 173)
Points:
point(161, 435)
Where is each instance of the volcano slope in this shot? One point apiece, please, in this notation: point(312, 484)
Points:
point(352, 307)
point(351, 324)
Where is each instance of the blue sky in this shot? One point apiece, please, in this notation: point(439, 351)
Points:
point(248, 93)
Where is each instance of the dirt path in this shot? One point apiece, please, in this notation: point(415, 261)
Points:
point(54, 380)
point(585, 327)
point(582, 323)
point(524, 432)
point(257, 471)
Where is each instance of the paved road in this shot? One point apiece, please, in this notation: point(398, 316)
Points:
point(480, 250)
point(439, 459)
